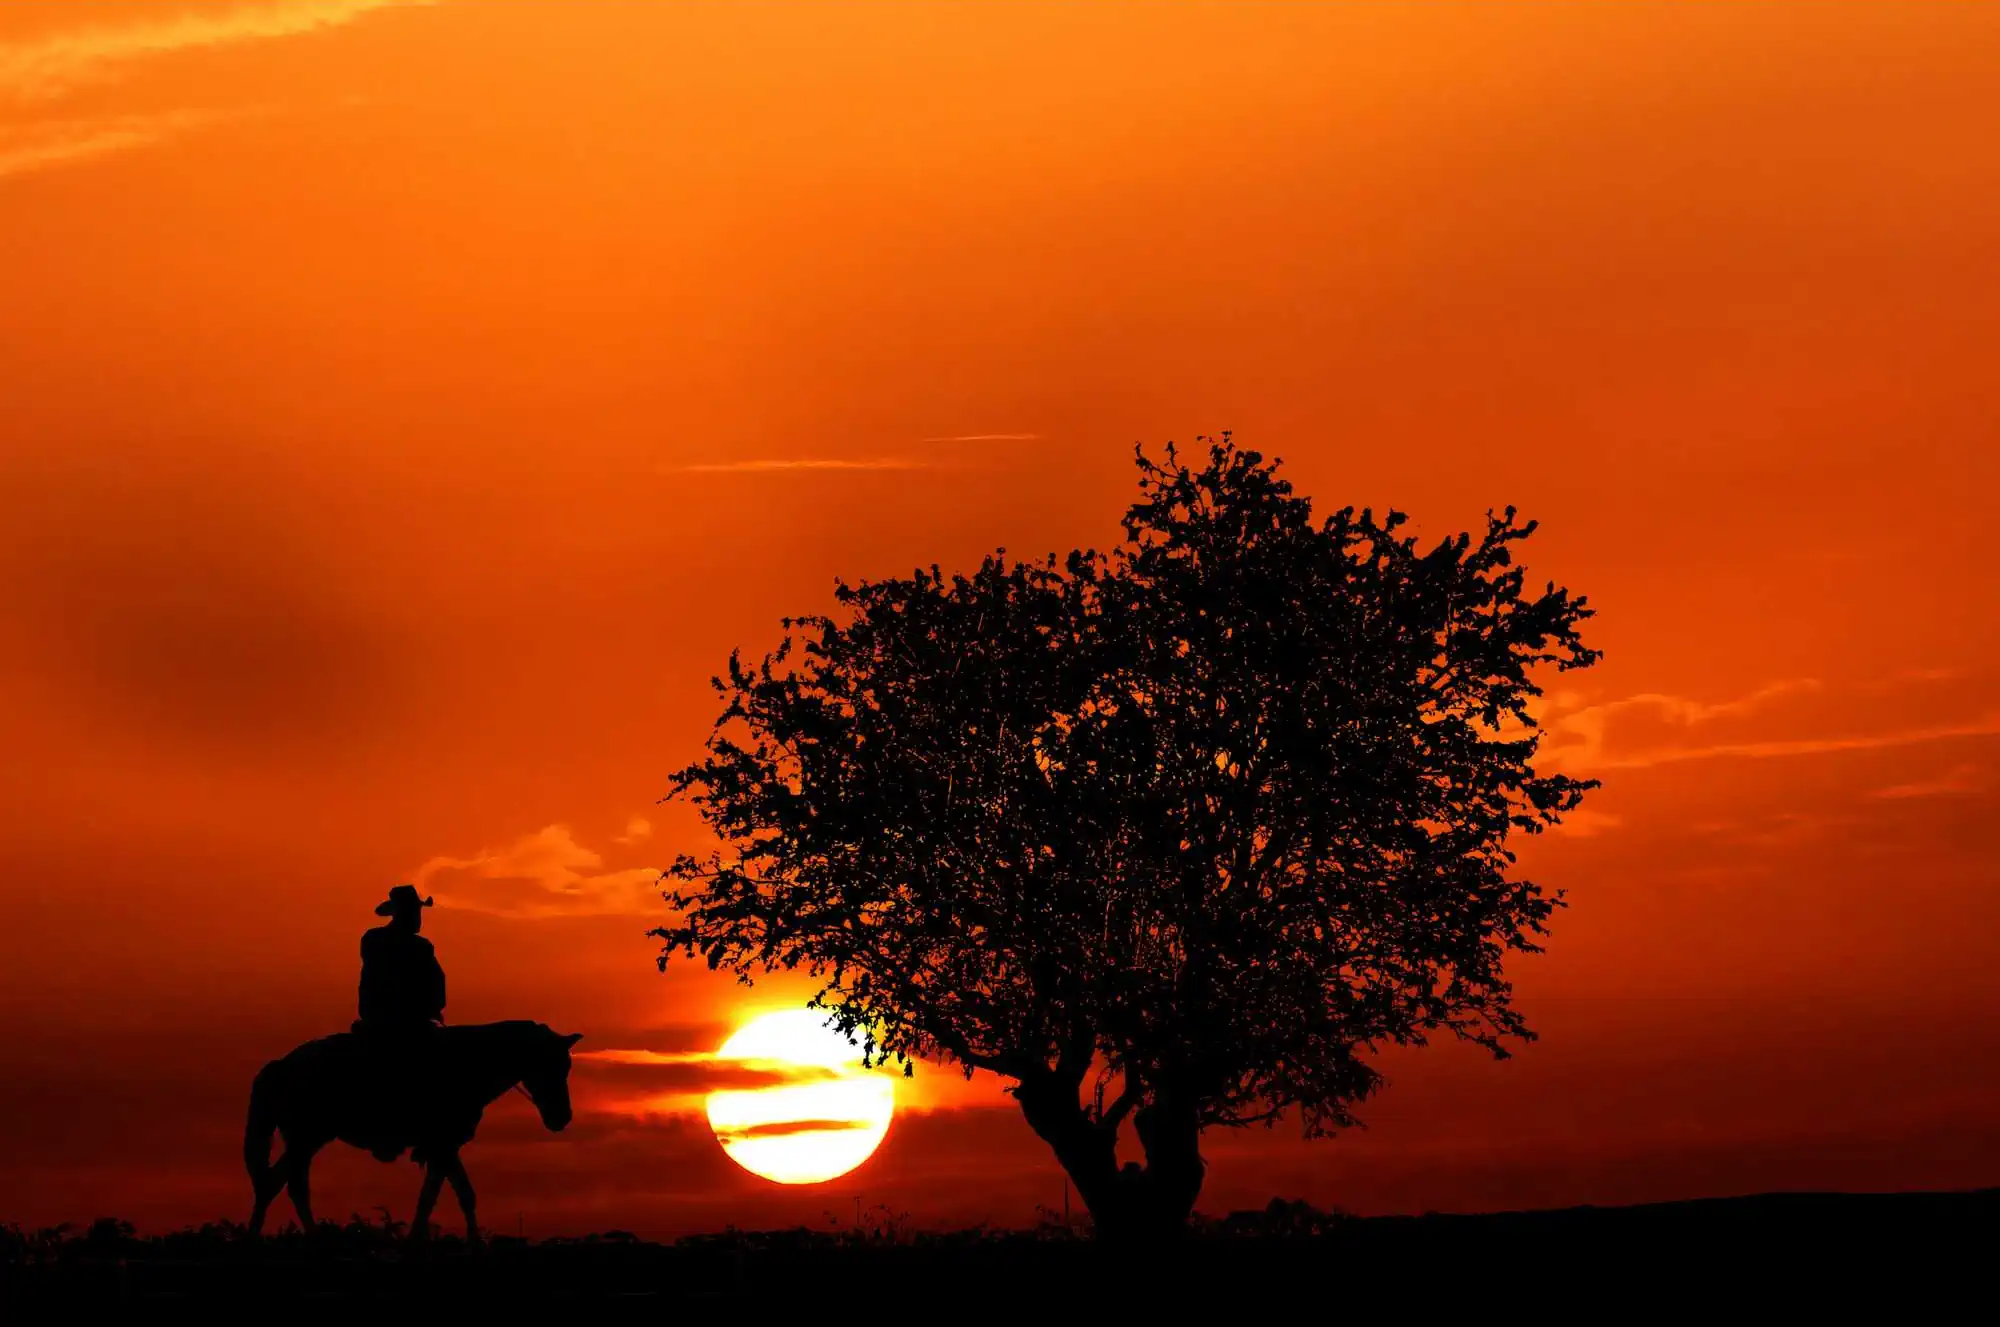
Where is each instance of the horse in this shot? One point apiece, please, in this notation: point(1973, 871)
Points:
point(346, 1087)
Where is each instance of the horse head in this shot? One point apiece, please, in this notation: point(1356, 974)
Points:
point(547, 1078)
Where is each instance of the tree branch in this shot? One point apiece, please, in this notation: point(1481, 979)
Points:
point(1127, 1099)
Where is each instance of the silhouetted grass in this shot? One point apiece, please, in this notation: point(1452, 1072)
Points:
point(1779, 1249)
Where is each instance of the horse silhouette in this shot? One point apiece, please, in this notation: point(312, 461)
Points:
point(428, 1102)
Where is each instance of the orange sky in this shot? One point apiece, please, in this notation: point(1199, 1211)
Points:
point(403, 410)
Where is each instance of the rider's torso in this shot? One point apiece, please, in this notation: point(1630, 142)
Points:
point(402, 984)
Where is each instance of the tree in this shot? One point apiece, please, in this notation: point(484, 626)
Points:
point(1178, 834)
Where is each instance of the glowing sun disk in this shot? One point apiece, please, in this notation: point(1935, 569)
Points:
point(809, 1131)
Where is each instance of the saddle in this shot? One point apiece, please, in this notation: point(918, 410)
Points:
point(396, 1068)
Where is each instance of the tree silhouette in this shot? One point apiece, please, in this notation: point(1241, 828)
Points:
point(1178, 834)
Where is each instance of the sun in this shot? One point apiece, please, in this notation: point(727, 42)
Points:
point(810, 1131)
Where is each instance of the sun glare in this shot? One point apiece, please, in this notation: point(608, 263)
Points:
point(812, 1130)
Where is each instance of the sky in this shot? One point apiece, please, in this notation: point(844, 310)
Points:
point(405, 408)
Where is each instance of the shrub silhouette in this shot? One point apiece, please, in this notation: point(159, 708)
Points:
point(1177, 834)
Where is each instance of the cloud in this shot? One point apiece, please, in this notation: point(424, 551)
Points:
point(794, 464)
point(1579, 734)
point(1964, 777)
point(786, 1128)
point(1584, 823)
point(696, 1073)
point(696, 1038)
point(43, 68)
point(544, 874)
point(1932, 675)
point(31, 147)
point(788, 465)
point(637, 828)
point(1987, 726)
point(1785, 829)
point(1659, 729)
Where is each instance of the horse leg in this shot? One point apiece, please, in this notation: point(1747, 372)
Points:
point(298, 1180)
point(265, 1186)
point(420, 1225)
point(269, 1102)
point(461, 1188)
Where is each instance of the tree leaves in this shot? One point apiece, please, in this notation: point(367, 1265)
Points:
point(1212, 815)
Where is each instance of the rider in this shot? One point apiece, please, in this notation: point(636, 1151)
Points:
point(402, 1003)
point(402, 985)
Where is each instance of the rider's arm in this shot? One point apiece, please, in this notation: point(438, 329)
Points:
point(437, 987)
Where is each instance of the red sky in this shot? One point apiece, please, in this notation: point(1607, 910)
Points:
point(406, 408)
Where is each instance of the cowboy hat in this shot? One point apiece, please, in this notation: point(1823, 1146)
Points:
point(402, 896)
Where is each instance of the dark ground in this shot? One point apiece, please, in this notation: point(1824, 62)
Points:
point(1776, 1252)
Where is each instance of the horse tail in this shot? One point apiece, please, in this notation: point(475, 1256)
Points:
point(262, 1122)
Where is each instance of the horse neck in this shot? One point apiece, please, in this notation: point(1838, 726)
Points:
point(506, 1054)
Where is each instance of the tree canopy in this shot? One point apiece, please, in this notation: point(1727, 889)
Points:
point(1180, 833)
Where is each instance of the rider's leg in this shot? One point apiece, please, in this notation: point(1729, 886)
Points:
point(461, 1187)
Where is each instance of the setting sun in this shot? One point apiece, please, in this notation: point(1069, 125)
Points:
point(812, 1130)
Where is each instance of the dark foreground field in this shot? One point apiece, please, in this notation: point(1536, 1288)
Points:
point(1781, 1251)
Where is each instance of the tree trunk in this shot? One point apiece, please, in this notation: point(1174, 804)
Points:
point(1170, 1132)
point(1134, 1204)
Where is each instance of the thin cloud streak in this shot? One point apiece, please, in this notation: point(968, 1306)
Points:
point(1680, 709)
point(1959, 780)
point(617, 1055)
point(1584, 823)
point(645, 1058)
point(1580, 738)
point(788, 1129)
point(62, 142)
point(1988, 726)
point(787, 465)
point(695, 1073)
point(989, 437)
point(48, 67)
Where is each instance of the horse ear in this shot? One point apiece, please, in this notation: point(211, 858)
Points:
point(573, 1038)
